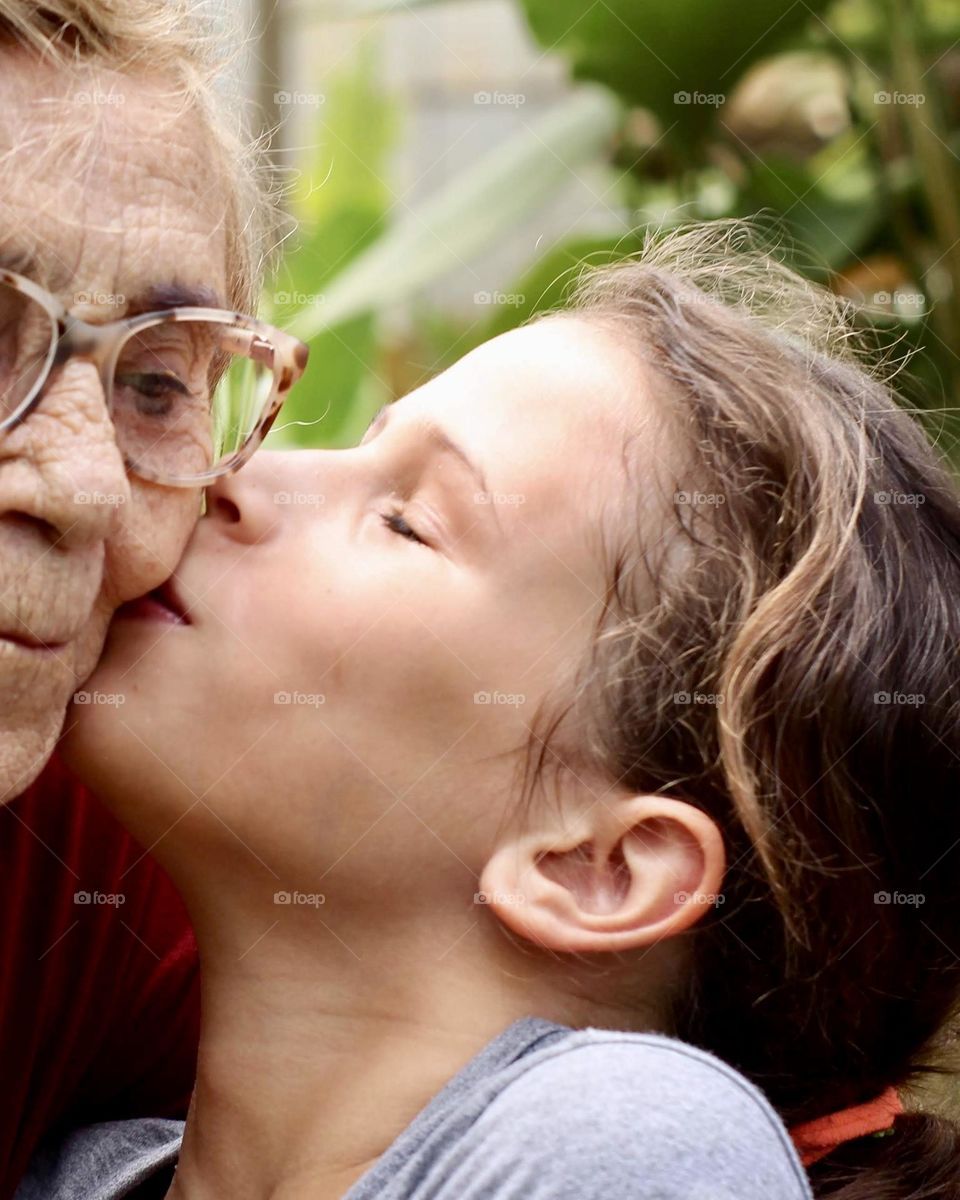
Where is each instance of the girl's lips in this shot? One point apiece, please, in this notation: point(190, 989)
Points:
point(162, 604)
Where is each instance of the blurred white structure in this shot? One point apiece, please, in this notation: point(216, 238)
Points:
point(466, 75)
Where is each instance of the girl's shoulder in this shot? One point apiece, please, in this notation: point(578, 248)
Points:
point(601, 1112)
point(104, 1161)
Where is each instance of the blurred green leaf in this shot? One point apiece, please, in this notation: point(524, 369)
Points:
point(862, 27)
point(546, 284)
point(543, 287)
point(834, 217)
point(470, 213)
point(653, 53)
point(341, 204)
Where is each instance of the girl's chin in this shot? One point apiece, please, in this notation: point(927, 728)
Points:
point(135, 640)
point(109, 750)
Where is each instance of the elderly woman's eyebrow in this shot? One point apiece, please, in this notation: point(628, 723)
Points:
point(158, 297)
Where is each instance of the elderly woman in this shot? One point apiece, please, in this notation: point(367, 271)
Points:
point(129, 245)
point(120, 198)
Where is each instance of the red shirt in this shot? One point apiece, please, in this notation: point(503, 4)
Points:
point(99, 999)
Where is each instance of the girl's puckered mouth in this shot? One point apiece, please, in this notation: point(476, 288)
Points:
point(162, 604)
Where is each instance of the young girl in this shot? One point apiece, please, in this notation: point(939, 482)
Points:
point(563, 781)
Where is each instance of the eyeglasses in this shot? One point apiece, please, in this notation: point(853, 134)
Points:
point(192, 392)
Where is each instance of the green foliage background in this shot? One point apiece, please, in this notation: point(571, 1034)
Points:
point(872, 210)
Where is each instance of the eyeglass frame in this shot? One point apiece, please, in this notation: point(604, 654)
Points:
point(101, 345)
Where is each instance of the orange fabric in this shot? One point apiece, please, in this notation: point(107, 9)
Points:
point(814, 1139)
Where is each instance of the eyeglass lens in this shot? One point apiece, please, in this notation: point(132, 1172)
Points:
point(27, 333)
point(186, 394)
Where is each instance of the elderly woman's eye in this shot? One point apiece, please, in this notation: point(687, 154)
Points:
point(394, 520)
point(154, 393)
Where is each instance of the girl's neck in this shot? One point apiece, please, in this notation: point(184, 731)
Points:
point(316, 1054)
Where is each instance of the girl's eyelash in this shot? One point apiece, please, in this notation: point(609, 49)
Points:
point(394, 520)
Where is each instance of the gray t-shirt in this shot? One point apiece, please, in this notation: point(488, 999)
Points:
point(543, 1112)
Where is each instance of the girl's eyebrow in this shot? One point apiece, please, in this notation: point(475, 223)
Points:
point(440, 438)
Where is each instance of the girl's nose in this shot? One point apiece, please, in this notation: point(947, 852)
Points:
point(250, 505)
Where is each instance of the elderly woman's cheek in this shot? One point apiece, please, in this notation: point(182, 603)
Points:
point(149, 539)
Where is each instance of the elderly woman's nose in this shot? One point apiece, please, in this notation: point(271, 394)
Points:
point(61, 469)
point(272, 487)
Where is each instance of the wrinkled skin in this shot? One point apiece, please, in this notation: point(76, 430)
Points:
point(109, 191)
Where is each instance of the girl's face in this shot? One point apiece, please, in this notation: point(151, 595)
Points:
point(371, 630)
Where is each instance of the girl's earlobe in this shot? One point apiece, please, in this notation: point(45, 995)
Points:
point(632, 873)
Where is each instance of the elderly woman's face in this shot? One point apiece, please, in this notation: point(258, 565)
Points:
point(108, 199)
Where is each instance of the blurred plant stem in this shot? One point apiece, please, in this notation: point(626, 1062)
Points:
point(936, 164)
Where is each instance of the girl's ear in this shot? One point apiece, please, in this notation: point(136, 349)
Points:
point(626, 874)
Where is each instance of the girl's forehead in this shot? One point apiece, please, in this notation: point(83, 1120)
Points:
point(559, 400)
point(561, 372)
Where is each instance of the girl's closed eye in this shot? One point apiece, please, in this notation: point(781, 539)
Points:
point(395, 521)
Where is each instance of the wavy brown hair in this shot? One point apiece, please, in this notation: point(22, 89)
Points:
point(811, 587)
